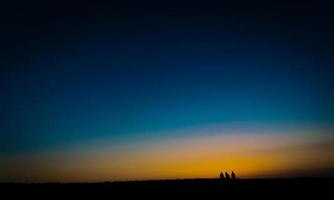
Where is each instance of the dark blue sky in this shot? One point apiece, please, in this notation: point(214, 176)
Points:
point(78, 72)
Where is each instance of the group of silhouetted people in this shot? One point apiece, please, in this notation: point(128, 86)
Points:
point(227, 176)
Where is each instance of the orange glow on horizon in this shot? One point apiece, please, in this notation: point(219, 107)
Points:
point(250, 155)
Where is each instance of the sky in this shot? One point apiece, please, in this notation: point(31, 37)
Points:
point(162, 90)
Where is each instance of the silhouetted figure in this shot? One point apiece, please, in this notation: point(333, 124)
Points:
point(233, 177)
point(227, 176)
point(221, 176)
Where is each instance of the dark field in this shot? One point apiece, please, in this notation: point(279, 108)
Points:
point(189, 188)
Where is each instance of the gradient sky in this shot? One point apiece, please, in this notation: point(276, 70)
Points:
point(124, 91)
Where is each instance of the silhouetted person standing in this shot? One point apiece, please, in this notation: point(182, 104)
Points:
point(227, 176)
point(233, 175)
point(221, 176)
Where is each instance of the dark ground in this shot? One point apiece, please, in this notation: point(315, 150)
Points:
point(190, 188)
